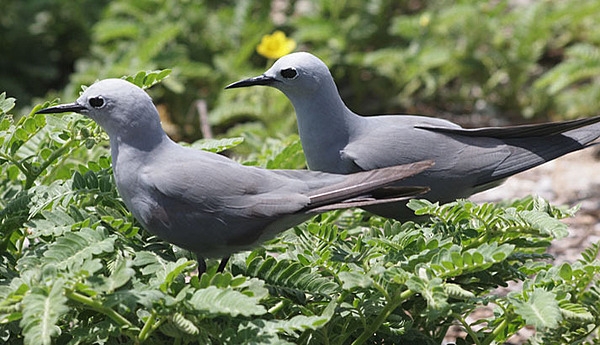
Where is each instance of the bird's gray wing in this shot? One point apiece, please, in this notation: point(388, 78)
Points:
point(527, 145)
point(474, 158)
point(215, 207)
point(228, 189)
point(463, 164)
point(512, 132)
point(328, 192)
point(384, 141)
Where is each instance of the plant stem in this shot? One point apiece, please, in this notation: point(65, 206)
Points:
point(387, 310)
point(97, 306)
point(467, 327)
point(490, 338)
point(149, 327)
point(14, 162)
point(31, 177)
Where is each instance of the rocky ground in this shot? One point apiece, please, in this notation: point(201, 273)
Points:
point(570, 180)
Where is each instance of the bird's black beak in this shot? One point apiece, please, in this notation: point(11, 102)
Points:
point(260, 80)
point(63, 108)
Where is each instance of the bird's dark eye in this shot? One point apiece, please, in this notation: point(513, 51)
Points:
point(289, 73)
point(97, 102)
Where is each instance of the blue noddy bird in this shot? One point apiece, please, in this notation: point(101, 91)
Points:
point(467, 161)
point(208, 203)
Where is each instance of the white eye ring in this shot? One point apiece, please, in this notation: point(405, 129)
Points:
point(289, 73)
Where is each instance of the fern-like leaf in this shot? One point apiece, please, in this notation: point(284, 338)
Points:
point(302, 322)
point(42, 309)
point(539, 309)
point(456, 291)
point(590, 254)
point(72, 249)
point(6, 104)
point(431, 290)
point(217, 145)
point(576, 312)
point(290, 275)
point(215, 301)
point(354, 279)
point(146, 79)
point(545, 224)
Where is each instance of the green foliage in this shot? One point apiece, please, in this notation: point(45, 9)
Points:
point(41, 40)
point(506, 59)
point(42, 308)
point(503, 59)
point(75, 267)
point(531, 59)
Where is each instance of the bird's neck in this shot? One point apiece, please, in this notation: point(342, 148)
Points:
point(325, 126)
point(136, 146)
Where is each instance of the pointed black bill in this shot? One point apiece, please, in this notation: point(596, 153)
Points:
point(63, 108)
point(260, 80)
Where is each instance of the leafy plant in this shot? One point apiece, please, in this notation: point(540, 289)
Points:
point(505, 60)
point(75, 267)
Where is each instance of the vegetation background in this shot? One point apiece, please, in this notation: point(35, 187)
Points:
point(75, 267)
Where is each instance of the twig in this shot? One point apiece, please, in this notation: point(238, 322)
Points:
point(205, 128)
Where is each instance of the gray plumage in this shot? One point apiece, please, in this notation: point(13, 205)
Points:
point(467, 161)
point(205, 202)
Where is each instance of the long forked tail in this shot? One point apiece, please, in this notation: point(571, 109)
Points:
point(522, 131)
point(533, 151)
point(356, 189)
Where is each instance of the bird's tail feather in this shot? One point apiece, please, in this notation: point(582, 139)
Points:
point(401, 194)
point(533, 151)
point(361, 183)
point(523, 131)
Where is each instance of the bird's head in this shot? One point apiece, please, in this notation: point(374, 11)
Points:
point(295, 74)
point(115, 104)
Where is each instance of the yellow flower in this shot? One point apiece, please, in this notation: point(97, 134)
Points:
point(276, 45)
point(424, 20)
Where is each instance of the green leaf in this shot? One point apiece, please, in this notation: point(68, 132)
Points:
point(121, 274)
point(162, 74)
point(30, 125)
point(574, 311)
point(6, 104)
point(456, 291)
point(215, 301)
point(42, 309)
point(420, 206)
point(539, 309)
point(545, 223)
point(147, 79)
point(590, 254)
point(184, 324)
point(72, 249)
point(431, 290)
point(566, 272)
point(217, 145)
point(302, 322)
point(289, 157)
point(265, 331)
point(290, 275)
point(354, 279)
point(174, 269)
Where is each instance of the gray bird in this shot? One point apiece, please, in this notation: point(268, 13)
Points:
point(467, 161)
point(205, 202)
